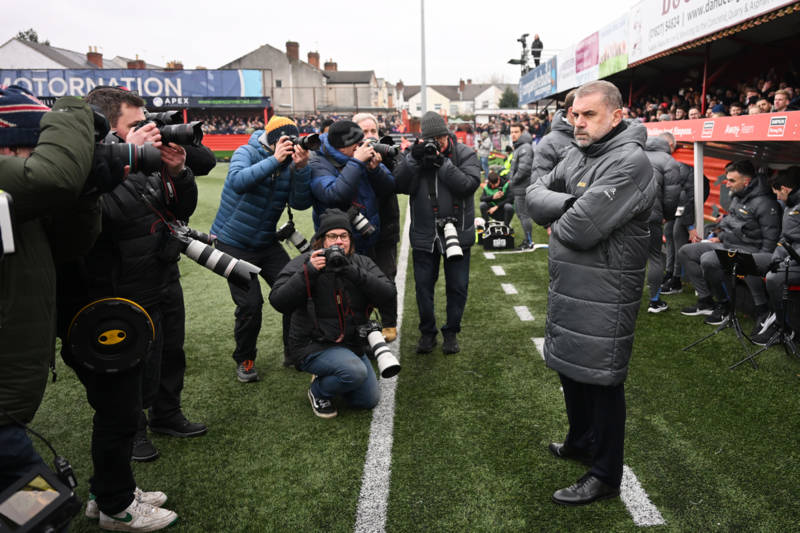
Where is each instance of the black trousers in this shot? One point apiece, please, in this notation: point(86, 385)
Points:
point(596, 415)
point(385, 256)
point(117, 402)
point(167, 402)
point(249, 301)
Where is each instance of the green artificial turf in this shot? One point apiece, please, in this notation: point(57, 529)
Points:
point(715, 449)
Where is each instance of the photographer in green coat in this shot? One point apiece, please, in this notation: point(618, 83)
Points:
point(45, 158)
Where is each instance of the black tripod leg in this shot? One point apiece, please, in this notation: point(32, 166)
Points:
point(698, 341)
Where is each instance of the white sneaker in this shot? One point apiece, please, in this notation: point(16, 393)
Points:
point(139, 516)
point(155, 498)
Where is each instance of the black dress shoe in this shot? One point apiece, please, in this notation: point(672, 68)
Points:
point(586, 490)
point(178, 426)
point(427, 342)
point(564, 452)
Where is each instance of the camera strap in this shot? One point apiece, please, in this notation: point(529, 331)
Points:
point(430, 177)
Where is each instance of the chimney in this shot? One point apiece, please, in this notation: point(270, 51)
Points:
point(461, 85)
point(330, 66)
point(174, 65)
point(313, 59)
point(94, 57)
point(400, 86)
point(293, 50)
point(136, 64)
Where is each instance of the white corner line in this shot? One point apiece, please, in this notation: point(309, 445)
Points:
point(523, 313)
point(488, 255)
point(539, 342)
point(641, 509)
point(498, 271)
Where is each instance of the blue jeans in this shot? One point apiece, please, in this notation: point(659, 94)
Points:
point(340, 372)
point(485, 166)
point(17, 455)
point(456, 276)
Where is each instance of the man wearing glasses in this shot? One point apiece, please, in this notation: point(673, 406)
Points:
point(327, 293)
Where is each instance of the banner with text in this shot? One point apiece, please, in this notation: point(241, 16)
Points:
point(587, 59)
point(614, 47)
point(539, 83)
point(177, 83)
point(658, 25)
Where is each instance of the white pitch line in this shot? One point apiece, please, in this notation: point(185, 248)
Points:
point(641, 509)
point(508, 288)
point(488, 255)
point(498, 271)
point(523, 313)
point(373, 500)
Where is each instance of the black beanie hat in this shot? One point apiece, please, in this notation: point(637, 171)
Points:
point(432, 125)
point(333, 219)
point(344, 133)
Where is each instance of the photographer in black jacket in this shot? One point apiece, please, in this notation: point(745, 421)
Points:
point(130, 260)
point(441, 176)
point(328, 292)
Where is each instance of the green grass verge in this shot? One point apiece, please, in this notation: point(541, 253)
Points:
point(716, 450)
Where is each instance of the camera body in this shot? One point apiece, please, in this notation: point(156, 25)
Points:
point(430, 147)
point(335, 258)
point(452, 248)
point(288, 231)
point(172, 131)
point(308, 142)
point(376, 348)
point(38, 501)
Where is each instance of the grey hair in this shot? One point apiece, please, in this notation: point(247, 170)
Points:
point(359, 117)
point(611, 94)
point(668, 136)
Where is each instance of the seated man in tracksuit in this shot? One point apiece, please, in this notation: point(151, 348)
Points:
point(497, 201)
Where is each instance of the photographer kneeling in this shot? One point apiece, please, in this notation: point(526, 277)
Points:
point(327, 293)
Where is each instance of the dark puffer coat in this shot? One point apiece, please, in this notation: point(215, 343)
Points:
point(597, 202)
point(790, 226)
point(341, 302)
point(456, 182)
point(667, 173)
point(753, 222)
point(553, 146)
point(521, 164)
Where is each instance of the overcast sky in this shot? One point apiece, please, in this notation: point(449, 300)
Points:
point(464, 39)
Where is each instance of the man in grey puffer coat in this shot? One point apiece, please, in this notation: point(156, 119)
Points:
point(597, 202)
point(553, 146)
point(520, 177)
point(667, 173)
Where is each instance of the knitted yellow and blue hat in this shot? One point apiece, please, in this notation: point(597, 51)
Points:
point(277, 127)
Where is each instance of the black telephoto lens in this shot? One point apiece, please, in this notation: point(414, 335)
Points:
point(145, 159)
point(190, 134)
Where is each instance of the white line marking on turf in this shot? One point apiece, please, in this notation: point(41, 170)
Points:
point(523, 313)
point(641, 509)
point(508, 288)
point(634, 497)
point(373, 499)
point(539, 342)
point(488, 255)
point(498, 271)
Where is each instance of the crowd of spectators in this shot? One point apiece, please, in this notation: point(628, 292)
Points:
point(245, 123)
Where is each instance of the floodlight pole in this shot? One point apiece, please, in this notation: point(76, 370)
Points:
point(423, 86)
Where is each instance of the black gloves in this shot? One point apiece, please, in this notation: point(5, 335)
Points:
point(418, 151)
point(432, 160)
point(775, 264)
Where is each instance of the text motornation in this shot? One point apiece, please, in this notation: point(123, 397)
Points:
point(75, 86)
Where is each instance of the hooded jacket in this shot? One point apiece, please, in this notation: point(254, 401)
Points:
point(597, 202)
point(42, 185)
point(753, 222)
point(667, 173)
point(521, 164)
point(255, 192)
point(790, 226)
point(341, 300)
point(342, 182)
point(553, 146)
point(454, 183)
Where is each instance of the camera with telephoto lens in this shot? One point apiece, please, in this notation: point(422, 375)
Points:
point(308, 142)
point(385, 147)
point(452, 248)
point(360, 223)
point(172, 130)
point(335, 258)
point(388, 365)
point(197, 247)
point(288, 231)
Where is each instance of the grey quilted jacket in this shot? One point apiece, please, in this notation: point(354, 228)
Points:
point(521, 164)
point(597, 202)
point(667, 173)
point(553, 146)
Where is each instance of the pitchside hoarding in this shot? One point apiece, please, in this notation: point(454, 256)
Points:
point(614, 47)
point(658, 25)
point(761, 127)
point(538, 83)
point(152, 83)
